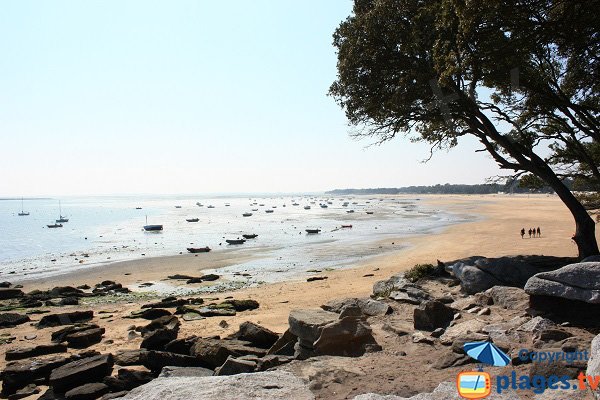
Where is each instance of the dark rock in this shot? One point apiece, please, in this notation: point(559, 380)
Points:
point(181, 346)
point(27, 302)
point(348, 337)
point(181, 277)
point(85, 338)
point(452, 359)
point(257, 335)
point(80, 372)
point(12, 319)
point(150, 313)
point(158, 339)
point(546, 336)
point(574, 311)
point(167, 303)
point(61, 334)
point(367, 306)
point(233, 366)
point(272, 361)
point(214, 352)
point(214, 312)
point(169, 322)
point(27, 391)
point(116, 395)
point(156, 360)
point(242, 305)
point(130, 357)
point(10, 293)
point(432, 315)
point(284, 346)
point(580, 282)
point(69, 318)
point(69, 301)
point(5, 285)
point(410, 294)
point(40, 350)
point(128, 379)
point(65, 291)
point(17, 375)
point(557, 368)
point(438, 332)
point(210, 277)
point(89, 391)
point(316, 278)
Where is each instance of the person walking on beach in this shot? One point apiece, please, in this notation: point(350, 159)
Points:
point(522, 233)
point(529, 233)
point(539, 232)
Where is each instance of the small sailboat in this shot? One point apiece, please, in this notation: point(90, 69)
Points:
point(312, 231)
point(23, 213)
point(249, 236)
point(235, 241)
point(192, 219)
point(246, 214)
point(54, 226)
point(152, 228)
point(61, 219)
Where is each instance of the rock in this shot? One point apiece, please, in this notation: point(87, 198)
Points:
point(272, 361)
point(128, 379)
point(12, 319)
point(69, 318)
point(307, 324)
point(537, 324)
point(242, 305)
point(398, 331)
point(347, 337)
point(89, 391)
point(61, 334)
point(438, 332)
point(462, 329)
point(5, 284)
point(459, 342)
point(179, 372)
point(546, 336)
point(17, 375)
point(257, 335)
point(210, 277)
point(192, 317)
point(418, 337)
point(410, 294)
point(27, 391)
point(10, 293)
point(316, 278)
point(156, 360)
point(85, 338)
point(65, 291)
point(214, 352)
point(181, 346)
point(40, 350)
point(168, 302)
point(452, 359)
point(396, 282)
point(233, 366)
point(284, 345)
point(80, 372)
point(432, 315)
point(150, 313)
point(367, 306)
point(214, 312)
point(557, 368)
point(593, 367)
point(580, 282)
point(168, 322)
point(484, 311)
point(111, 396)
point(158, 339)
point(508, 297)
point(270, 385)
point(130, 357)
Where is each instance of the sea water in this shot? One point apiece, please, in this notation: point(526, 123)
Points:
point(108, 229)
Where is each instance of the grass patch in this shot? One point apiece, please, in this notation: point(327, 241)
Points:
point(421, 271)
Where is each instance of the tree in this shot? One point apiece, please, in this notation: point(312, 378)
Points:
point(521, 76)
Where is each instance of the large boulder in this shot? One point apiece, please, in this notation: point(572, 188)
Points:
point(367, 306)
point(348, 336)
point(10, 293)
point(257, 335)
point(593, 367)
point(432, 315)
point(39, 350)
point(68, 318)
point(306, 324)
point(270, 385)
point(477, 274)
point(571, 292)
point(77, 373)
point(89, 391)
point(17, 375)
point(12, 319)
point(512, 298)
point(214, 352)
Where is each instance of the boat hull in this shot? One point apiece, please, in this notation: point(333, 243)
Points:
point(150, 228)
point(198, 249)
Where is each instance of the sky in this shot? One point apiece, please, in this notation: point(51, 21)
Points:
point(126, 97)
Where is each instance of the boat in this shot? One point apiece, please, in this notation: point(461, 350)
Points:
point(177, 206)
point(269, 211)
point(255, 209)
point(295, 204)
point(61, 219)
point(307, 207)
point(138, 208)
point(23, 213)
point(323, 205)
point(350, 211)
point(369, 212)
point(152, 228)
point(346, 226)
point(227, 204)
point(235, 241)
point(54, 226)
point(210, 206)
point(250, 235)
point(199, 204)
point(192, 219)
point(312, 231)
point(198, 249)
point(246, 214)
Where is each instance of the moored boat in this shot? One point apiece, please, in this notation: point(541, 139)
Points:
point(269, 211)
point(198, 249)
point(346, 226)
point(307, 207)
point(54, 226)
point(313, 231)
point(192, 219)
point(152, 228)
point(235, 241)
point(246, 214)
point(250, 235)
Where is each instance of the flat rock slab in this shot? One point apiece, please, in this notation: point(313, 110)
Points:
point(184, 372)
point(579, 282)
point(40, 350)
point(69, 318)
point(307, 323)
point(77, 373)
point(89, 391)
point(10, 293)
point(367, 306)
point(271, 385)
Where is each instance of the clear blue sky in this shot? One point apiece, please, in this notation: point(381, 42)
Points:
point(103, 97)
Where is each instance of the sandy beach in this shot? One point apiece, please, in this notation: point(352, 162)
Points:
point(495, 233)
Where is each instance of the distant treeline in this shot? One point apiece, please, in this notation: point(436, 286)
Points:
point(487, 188)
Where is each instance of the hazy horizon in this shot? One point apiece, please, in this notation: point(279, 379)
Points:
point(108, 98)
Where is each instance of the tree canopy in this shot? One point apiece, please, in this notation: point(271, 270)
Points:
point(519, 75)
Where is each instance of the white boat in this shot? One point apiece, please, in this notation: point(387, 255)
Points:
point(61, 219)
point(23, 213)
point(307, 207)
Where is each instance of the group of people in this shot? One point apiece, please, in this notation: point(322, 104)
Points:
point(531, 231)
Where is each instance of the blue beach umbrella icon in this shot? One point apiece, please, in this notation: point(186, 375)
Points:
point(487, 353)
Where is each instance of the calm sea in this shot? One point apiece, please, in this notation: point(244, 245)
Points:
point(108, 229)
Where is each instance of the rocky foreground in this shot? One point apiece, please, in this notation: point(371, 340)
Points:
point(406, 341)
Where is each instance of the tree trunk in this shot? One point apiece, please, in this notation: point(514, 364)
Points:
point(585, 227)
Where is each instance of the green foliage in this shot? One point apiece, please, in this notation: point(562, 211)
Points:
point(421, 271)
point(531, 181)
